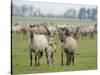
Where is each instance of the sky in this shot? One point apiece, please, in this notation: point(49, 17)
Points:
point(53, 8)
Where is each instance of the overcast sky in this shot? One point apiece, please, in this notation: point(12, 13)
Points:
point(54, 8)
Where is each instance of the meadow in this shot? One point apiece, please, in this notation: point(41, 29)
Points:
point(85, 55)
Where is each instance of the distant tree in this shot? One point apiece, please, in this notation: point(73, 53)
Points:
point(82, 13)
point(24, 10)
point(74, 12)
point(31, 10)
point(88, 13)
point(71, 13)
point(94, 13)
point(16, 11)
point(37, 12)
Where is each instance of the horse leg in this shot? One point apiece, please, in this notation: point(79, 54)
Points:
point(36, 58)
point(46, 54)
point(77, 35)
point(52, 57)
point(30, 57)
point(92, 35)
point(62, 59)
point(49, 59)
point(72, 58)
point(68, 58)
point(38, 62)
point(39, 56)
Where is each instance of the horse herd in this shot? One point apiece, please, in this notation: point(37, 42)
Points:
point(42, 38)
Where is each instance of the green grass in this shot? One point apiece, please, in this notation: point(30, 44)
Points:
point(38, 20)
point(85, 55)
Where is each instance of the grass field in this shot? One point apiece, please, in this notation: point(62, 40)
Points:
point(37, 20)
point(85, 56)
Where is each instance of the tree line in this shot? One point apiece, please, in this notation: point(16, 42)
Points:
point(28, 10)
